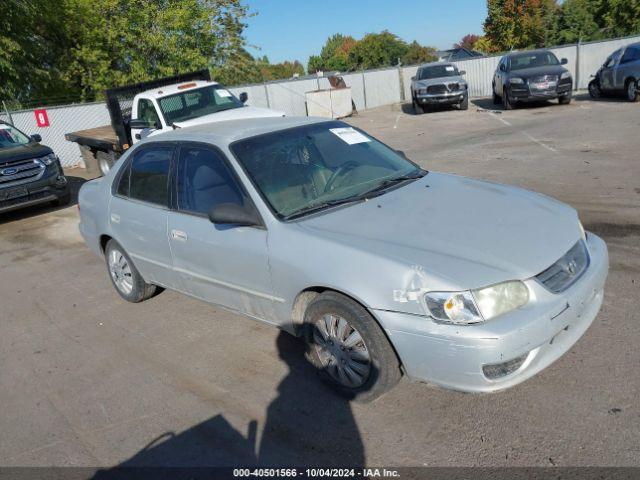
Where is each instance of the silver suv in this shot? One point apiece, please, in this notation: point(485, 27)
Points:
point(619, 75)
point(439, 83)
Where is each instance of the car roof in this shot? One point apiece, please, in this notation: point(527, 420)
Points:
point(436, 64)
point(524, 52)
point(165, 90)
point(228, 131)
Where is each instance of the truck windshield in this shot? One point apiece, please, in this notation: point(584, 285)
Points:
point(11, 136)
point(532, 60)
point(438, 71)
point(312, 167)
point(196, 103)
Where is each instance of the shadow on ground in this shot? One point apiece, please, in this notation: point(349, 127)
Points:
point(306, 425)
point(74, 185)
point(408, 109)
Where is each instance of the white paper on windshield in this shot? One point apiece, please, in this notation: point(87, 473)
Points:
point(349, 135)
point(449, 68)
point(223, 93)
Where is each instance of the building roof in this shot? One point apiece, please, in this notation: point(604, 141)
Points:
point(454, 54)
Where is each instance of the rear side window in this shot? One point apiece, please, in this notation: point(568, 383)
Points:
point(205, 180)
point(149, 175)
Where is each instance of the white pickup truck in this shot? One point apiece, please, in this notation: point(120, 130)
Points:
point(151, 108)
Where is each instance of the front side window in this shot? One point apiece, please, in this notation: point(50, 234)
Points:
point(205, 180)
point(147, 111)
point(438, 71)
point(613, 58)
point(631, 54)
point(313, 166)
point(11, 136)
point(532, 60)
point(149, 175)
point(197, 102)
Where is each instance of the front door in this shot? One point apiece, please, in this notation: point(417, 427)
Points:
point(138, 213)
point(222, 264)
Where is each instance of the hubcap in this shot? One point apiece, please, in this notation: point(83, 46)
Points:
point(120, 272)
point(342, 351)
point(104, 166)
point(631, 90)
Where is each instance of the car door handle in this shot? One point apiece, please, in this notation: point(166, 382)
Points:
point(179, 235)
point(115, 218)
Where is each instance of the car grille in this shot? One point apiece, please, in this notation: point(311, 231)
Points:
point(567, 270)
point(28, 170)
point(437, 89)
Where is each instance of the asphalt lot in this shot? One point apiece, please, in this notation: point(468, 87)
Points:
point(88, 379)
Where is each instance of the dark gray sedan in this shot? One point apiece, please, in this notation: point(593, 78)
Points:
point(531, 76)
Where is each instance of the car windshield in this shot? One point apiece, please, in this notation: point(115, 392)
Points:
point(613, 58)
point(11, 136)
point(197, 102)
point(532, 60)
point(438, 71)
point(305, 169)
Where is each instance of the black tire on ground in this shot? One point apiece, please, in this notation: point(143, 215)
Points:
point(631, 89)
point(383, 364)
point(140, 290)
point(594, 89)
point(464, 104)
point(565, 99)
point(417, 109)
point(63, 200)
point(496, 97)
point(506, 102)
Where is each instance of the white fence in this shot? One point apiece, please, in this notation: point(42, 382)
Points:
point(370, 89)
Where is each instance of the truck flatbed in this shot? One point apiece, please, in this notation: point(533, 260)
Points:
point(103, 137)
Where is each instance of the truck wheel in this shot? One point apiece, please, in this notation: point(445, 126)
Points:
point(105, 161)
point(594, 89)
point(349, 349)
point(125, 277)
point(632, 90)
point(506, 102)
point(417, 108)
point(464, 104)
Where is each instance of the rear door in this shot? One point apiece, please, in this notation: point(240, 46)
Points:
point(222, 264)
point(139, 210)
point(628, 66)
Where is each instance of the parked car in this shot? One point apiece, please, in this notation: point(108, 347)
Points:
point(619, 75)
point(380, 266)
point(439, 83)
point(30, 173)
point(531, 77)
point(159, 106)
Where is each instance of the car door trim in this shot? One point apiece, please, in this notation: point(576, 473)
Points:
point(210, 279)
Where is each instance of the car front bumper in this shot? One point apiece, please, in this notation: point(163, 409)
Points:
point(441, 98)
point(51, 186)
point(523, 93)
point(453, 356)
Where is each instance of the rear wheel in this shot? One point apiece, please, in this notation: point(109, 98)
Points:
point(125, 277)
point(105, 161)
point(594, 89)
point(349, 349)
point(632, 90)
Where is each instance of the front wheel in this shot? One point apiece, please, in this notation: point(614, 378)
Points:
point(565, 99)
point(349, 349)
point(594, 89)
point(632, 90)
point(506, 101)
point(417, 108)
point(124, 276)
point(464, 104)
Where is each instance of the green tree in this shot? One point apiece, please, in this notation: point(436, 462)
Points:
point(519, 23)
point(334, 55)
point(377, 50)
point(618, 18)
point(576, 20)
point(417, 53)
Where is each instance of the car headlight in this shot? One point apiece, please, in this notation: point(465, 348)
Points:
point(48, 159)
point(565, 75)
point(422, 91)
point(516, 80)
point(475, 306)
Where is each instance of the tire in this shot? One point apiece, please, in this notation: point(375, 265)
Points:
point(631, 89)
point(417, 108)
point(339, 335)
point(464, 104)
point(506, 102)
point(496, 98)
point(594, 89)
point(120, 267)
point(105, 161)
point(565, 99)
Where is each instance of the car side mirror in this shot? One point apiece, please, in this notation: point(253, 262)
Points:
point(36, 138)
point(564, 61)
point(244, 96)
point(401, 153)
point(233, 214)
point(463, 72)
point(139, 123)
point(413, 79)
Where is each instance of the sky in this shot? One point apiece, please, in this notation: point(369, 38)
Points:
point(295, 29)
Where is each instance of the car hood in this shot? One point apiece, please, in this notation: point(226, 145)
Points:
point(467, 233)
point(231, 114)
point(438, 81)
point(538, 71)
point(22, 152)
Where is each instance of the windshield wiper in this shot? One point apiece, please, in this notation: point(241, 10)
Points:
point(382, 186)
point(316, 207)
